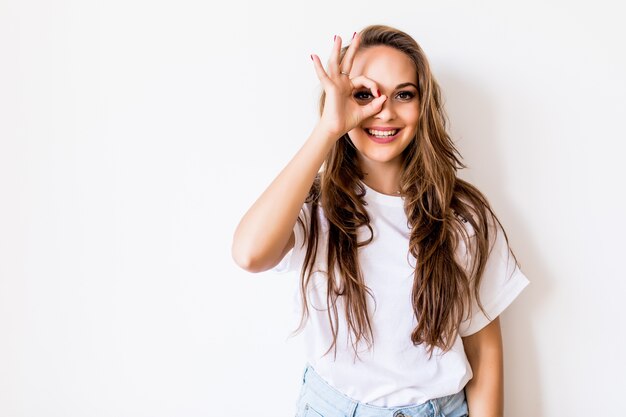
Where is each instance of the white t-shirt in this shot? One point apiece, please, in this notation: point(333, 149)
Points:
point(394, 372)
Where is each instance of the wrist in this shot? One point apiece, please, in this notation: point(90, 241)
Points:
point(326, 135)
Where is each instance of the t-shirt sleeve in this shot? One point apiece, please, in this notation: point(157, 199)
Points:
point(502, 281)
point(293, 260)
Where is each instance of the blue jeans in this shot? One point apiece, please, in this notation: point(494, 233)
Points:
point(320, 399)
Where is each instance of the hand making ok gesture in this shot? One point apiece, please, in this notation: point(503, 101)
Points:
point(341, 111)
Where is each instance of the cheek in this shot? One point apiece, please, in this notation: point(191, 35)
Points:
point(411, 114)
point(356, 134)
point(359, 139)
point(412, 122)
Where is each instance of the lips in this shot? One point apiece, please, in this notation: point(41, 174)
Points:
point(384, 135)
point(378, 132)
point(383, 128)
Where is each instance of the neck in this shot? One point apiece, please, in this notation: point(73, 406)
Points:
point(383, 177)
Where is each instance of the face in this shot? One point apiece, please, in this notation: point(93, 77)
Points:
point(396, 78)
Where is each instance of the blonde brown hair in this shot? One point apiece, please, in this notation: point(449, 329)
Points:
point(437, 203)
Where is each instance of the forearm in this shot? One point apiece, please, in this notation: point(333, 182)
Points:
point(485, 391)
point(266, 227)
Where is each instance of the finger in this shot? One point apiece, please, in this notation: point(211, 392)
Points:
point(348, 58)
point(362, 81)
point(333, 61)
point(375, 106)
point(319, 70)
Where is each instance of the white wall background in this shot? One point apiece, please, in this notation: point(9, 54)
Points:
point(135, 134)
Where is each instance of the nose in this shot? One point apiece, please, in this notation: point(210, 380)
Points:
point(387, 112)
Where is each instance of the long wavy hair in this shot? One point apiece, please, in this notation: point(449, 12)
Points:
point(438, 206)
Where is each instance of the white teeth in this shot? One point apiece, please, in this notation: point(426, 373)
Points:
point(382, 133)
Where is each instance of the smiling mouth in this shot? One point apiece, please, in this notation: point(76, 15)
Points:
point(382, 134)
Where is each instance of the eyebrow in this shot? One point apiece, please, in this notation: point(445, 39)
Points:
point(406, 84)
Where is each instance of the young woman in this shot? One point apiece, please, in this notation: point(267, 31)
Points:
point(404, 268)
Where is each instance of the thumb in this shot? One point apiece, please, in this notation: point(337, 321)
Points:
point(374, 106)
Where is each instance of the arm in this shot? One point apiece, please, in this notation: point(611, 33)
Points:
point(267, 226)
point(265, 231)
point(485, 391)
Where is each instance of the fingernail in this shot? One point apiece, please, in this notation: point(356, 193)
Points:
point(311, 57)
point(353, 35)
point(335, 38)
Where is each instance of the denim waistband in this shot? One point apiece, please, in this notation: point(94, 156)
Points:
point(449, 406)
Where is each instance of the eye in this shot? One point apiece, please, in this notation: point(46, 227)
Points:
point(362, 95)
point(408, 95)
